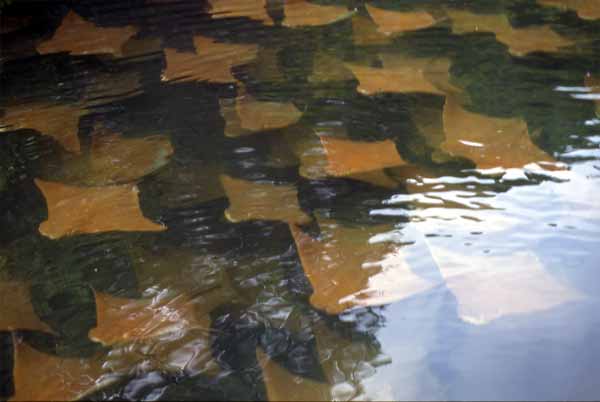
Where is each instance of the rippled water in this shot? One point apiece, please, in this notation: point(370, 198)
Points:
point(299, 200)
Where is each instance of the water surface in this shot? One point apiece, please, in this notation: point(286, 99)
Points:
point(299, 200)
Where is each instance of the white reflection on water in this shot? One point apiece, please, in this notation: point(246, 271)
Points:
point(508, 304)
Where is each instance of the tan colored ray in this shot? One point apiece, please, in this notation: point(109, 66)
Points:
point(73, 210)
point(586, 9)
point(78, 36)
point(365, 33)
point(282, 385)
point(329, 68)
point(212, 61)
point(253, 9)
point(490, 287)
point(314, 162)
point(404, 74)
point(115, 159)
point(16, 309)
point(60, 122)
point(262, 201)
point(340, 264)
point(520, 41)
point(346, 157)
point(43, 377)
point(122, 320)
point(488, 141)
point(391, 22)
point(246, 115)
point(300, 13)
point(309, 150)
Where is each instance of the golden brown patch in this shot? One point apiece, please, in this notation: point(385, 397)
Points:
point(262, 201)
point(300, 13)
point(73, 210)
point(348, 157)
point(78, 36)
point(211, 62)
point(253, 9)
point(43, 377)
point(17, 311)
point(488, 141)
point(122, 320)
point(404, 74)
point(245, 115)
point(60, 122)
point(391, 22)
point(340, 263)
point(520, 41)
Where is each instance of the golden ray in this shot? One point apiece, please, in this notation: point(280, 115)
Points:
point(315, 162)
point(490, 287)
point(329, 68)
point(212, 61)
point(73, 210)
point(43, 377)
point(520, 41)
point(115, 159)
point(404, 74)
point(78, 37)
point(302, 13)
point(487, 141)
point(60, 122)
point(340, 264)
point(246, 115)
point(392, 22)
point(346, 157)
point(123, 320)
point(282, 385)
point(17, 310)
point(307, 146)
point(586, 9)
point(262, 201)
point(365, 32)
point(253, 9)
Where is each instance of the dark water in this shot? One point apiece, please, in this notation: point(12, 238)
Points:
point(299, 200)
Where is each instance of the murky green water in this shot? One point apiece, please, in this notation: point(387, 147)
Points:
point(299, 200)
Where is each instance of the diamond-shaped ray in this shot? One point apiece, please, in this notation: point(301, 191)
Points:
point(212, 61)
point(253, 9)
point(78, 36)
point(262, 201)
point(488, 141)
point(73, 210)
point(404, 74)
point(303, 13)
point(60, 122)
point(391, 22)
